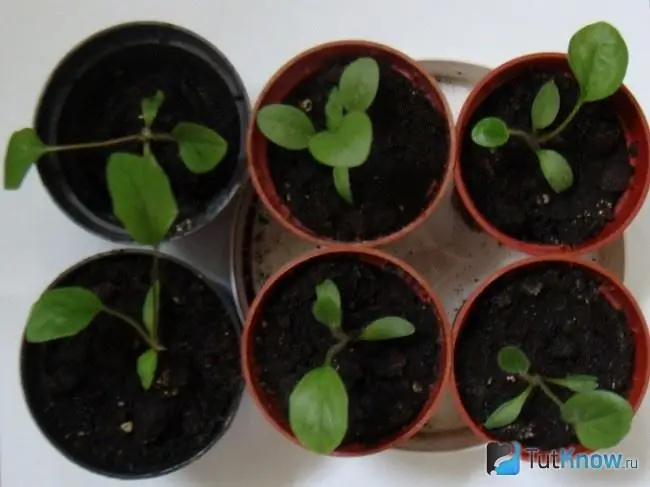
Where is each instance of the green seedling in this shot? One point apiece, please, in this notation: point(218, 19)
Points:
point(600, 418)
point(598, 57)
point(143, 202)
point(318, 405)
point(346, 142)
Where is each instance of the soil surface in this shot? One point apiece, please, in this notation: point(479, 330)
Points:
point(85, 392)
point(104, 103)
point(388, 382)
point(559, 318)
point(396, 183)
point(507, 184)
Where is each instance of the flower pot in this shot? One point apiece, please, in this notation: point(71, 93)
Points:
point(399, 185)
point(568, 316)
point(394, 386)
point(94, 94)
point(504, 190)
point(86, 397)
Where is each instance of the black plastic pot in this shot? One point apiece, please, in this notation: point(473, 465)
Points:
point(94, 93)
point(39, 397)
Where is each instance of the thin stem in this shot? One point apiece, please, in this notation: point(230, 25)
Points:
point(336, 349)
point(563, 125)
point(536, 380)
point(530, 139)
point(135, 325)
point(156, 295)
point(107, 143)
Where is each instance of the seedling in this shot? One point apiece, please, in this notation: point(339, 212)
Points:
point(346, 142)
point(144, 203)
point(318, 405)
point(600, 418)
point(598, 58)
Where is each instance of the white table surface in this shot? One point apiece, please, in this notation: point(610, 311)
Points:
point(38, 241)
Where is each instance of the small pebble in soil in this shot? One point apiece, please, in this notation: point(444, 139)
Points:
point(127, 427)
point(306, 105)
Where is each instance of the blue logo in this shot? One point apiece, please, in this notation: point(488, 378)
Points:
point(503, 458)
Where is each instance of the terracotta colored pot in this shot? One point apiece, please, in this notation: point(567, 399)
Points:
point(270, 407)
point(620, 298)
point(636, 130)
point(283, 82)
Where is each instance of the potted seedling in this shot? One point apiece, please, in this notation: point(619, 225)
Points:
point(551, 353)
point(554, 148)
point(130, 364)
point(345, 352)
point(104, 96)
point(332, 155)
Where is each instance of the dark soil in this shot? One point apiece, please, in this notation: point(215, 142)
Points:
point(104, 103)
point(395, 184)
point(558, 317)
point(388, 382)
point(507, 184)
point(82, 390)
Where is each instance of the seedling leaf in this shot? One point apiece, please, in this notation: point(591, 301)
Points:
point(341, 177)
point(286, 126)
point(359, 84)
point(24, 149)
point(601, 419)
point(334, 110)
point(387, 328)
point(327, 306)
point(318, 410)
point(142, 197)
point(490, 132)
point(577, 383)
point(598, 57)
point(546, 106)
point(513, 360)
point(147, 363)
point(348, 147)
point(508, 412)
point(201, 149)
point(60, 313)
point(556, 169)
point(151, 307)
point(150, 107)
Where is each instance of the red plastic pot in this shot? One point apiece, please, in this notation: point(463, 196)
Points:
point(636, 130)
point(620, 298)
point(270, 406)
point(283, 82)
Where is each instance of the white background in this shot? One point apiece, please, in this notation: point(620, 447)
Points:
point(37, 241)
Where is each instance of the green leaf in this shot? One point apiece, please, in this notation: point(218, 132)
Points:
point(546, 106)
point(61, 313)
point(348, 147)
point(513, 360)
point(387, 328)
point(201, 149)
point(147, 363)
point(318, 410)
point(508, 412)
point(556, 169)
point(286, 126)
point(24, 149)
point(359, 84)
point(334, 110)
point(327, 306)
point(577, 383)
point(151, 307)
point(598, 57)
point(150, 106)
point(490, 132)
point(341, 177)
point(142, 197)
point(601, 419)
